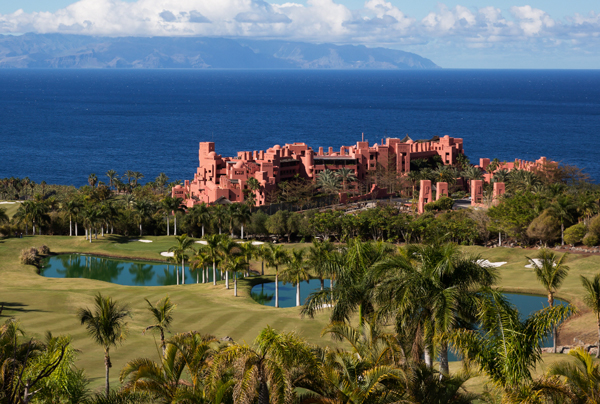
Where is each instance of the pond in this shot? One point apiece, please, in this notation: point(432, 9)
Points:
point(122, 272)
point(264, 294)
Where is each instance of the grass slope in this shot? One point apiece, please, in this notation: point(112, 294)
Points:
point(50, 304)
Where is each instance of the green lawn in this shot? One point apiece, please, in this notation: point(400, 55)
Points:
point(43, 304)
point(11, 208)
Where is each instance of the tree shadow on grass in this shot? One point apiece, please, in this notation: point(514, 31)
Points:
point(119, 239)
point(16, 307)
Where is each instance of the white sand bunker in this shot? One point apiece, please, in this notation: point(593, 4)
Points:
point(142, 241)
point(167, 254)
point(257, 243)
point(201, 242)
point(488, 264)
point(537, 262)
point(7, 203)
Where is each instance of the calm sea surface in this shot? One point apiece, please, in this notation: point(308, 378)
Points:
point(62, 125)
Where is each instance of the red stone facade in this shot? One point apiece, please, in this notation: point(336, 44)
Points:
point(227, 177)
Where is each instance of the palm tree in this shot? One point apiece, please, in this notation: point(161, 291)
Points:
point(328, 181)
point(92, 180)
point(170, 206)
point(71, 208)
point(228, 249)
point(506, 347)
point(262, 371)
point(581, 377)
point(236, 265)
point(501, 176)
point(353, 291)
point(276, 257)
point(162, 315)
point(248, 251)
point(550, 271)
point(347, 176)
point(181, 374)
point(318, 255)
point(472, 173)
point(561, 209)
point(243, 216)
point(435, 286)
point(592, 300)
point(106, 324)
point(212, 249)
point(161, 180)
point(143, 209)
point(219, 213)
point(112, 175)
point(184, 245)
point(136, 176)
point(129, 175)
point(296, 272)
point(200, 214)
point(200, 262)
point(414, 177)
point(232, 210)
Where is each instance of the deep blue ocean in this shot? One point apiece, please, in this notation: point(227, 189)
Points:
point(62, 125)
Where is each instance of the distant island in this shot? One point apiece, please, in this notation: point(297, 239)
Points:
point(78, 51)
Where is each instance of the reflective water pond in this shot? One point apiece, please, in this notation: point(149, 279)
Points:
point(264, 294)
point(122, 272)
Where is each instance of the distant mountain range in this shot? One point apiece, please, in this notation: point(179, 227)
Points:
point(77, 51)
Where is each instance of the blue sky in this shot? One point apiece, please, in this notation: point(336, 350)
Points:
point(454, 34)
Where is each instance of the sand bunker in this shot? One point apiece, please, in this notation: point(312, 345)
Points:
point(488, 264)
point(167, 254)
point(142, 241)
point(537, 262)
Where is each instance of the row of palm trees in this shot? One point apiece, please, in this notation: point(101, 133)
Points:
point(380, 365)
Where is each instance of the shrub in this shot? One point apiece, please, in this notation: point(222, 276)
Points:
point(33, 251)
point(545, 228)
point(590, 240)
point(444, 203)
point(44, 250)
point(28, 257)
point(594, 227)
point(575, 233)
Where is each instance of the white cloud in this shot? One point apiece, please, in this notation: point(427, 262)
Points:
point(378, 22)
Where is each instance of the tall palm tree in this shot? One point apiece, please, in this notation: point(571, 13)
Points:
point(71, 208)
point(562, 209)
point(200, 214)
point(136, 176)
point(112, 175)
point(506, 346)
point(162, 315)
point(592, 300)
point(228, 250)
point(550, 271)
point(212, 249)
point(219, 213)
point(318, 255)
point(414, 177)
point(296, 272)
point(276, 257)
point(501, 176)
point(107, 326)
point(200, 262)
point(92, 180)
point(236, 265)
point(171, 206)
point(161, 181)
point(183, 246)
point(243, 216)
point(144, 210)
point(248, 251)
